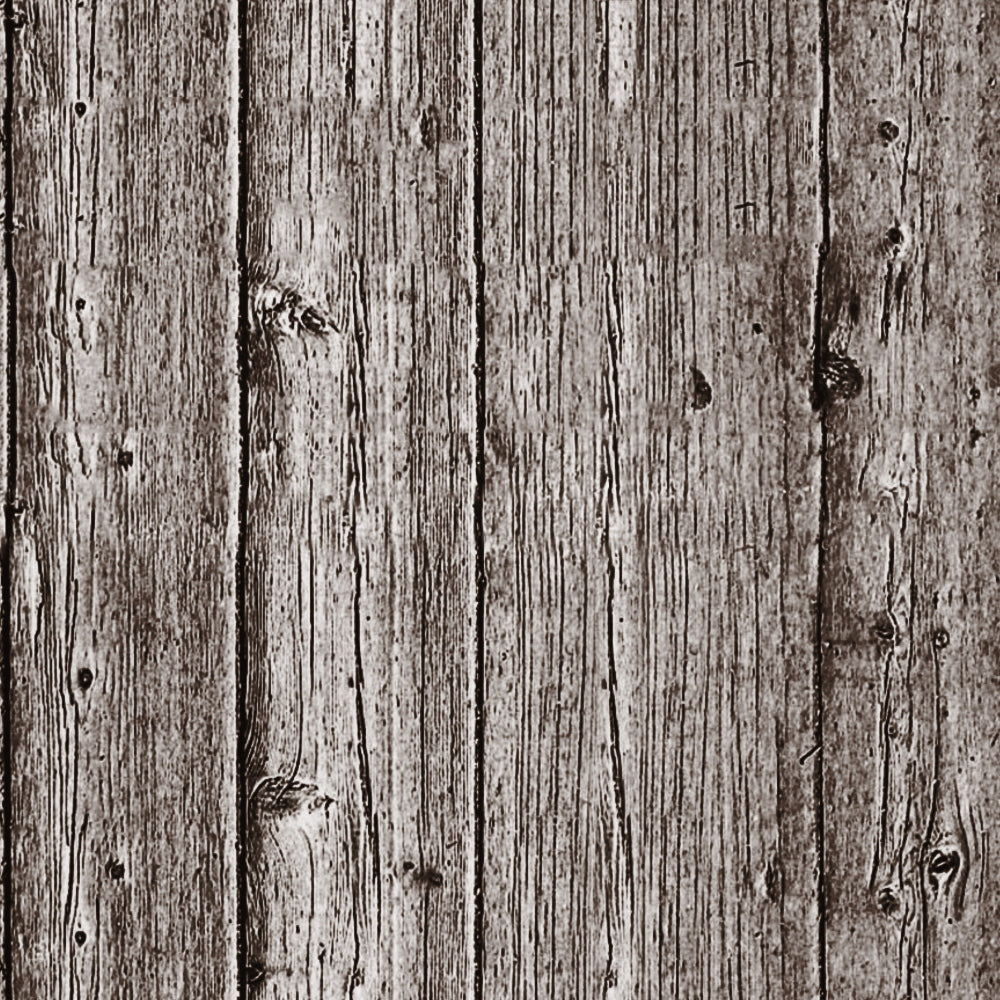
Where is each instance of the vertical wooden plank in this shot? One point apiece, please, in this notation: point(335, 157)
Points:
point(360, 596)
point(124, 520)
point(911, 595)
point(713, 232)
point(552, 852)
point(652, 224)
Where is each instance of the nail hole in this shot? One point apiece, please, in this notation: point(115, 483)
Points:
point(80, 108)
point(430, 127)
point(941, 638)
point(702, 390)
point(758, 329)
point(854, 306)
point(85, 677)
point(895, 236)
point(115, 869)
point(125, 459)
point(80, 305)
point(80, 937)
point(772, 880)
point(889, 131)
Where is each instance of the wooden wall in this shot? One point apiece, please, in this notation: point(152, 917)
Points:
point(500, 499)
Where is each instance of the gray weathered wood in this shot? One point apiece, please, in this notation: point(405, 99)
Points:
point(360, 595)
point(708, 430)
point(911, 591)
point(653, 500)
point(122, 673)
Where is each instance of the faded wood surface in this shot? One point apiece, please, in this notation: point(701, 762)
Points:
point(910, 592)
point(360, 599)
point(121, 602)
point(500, 501)
point(653, 482)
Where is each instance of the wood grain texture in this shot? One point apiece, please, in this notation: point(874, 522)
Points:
point(122, 671)
point(608, 504)
point(910, 581)
point(652, 222)
point(360, 593)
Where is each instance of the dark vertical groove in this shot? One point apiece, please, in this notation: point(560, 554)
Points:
point(819, 356)
point(613, 499)
point(242, 644)
point(478, 940)
point(10, 500)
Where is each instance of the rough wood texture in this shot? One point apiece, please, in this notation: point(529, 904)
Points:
point(122, 660)
point(607, 506)
point(653, 498)
point(911, 591)
point(360, 596)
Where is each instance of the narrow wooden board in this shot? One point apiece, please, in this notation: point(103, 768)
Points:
point(652, 226)
point(122, 674)
point(911, 590)
point(360, 592)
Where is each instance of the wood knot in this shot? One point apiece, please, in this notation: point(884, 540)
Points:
point(887, 901)
point(251, 973)
point(281, 797)
point(884, 630)
point(18, 17)
point(941, 638)
point(839, 380)
point(942, 866)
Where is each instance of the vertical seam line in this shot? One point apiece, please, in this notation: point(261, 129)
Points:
point(243, 363)
point(819, 400)
point(10, 505)
point(478, 530)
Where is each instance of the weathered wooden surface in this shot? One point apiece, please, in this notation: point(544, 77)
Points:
point(911, 592)
point(653, 496)
point(360, 599)
point(501, 499)
point(122, 607)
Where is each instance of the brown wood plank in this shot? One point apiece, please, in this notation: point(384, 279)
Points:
point(123, 552)
point(652, 222)
point(360, 590)
point(912, 548)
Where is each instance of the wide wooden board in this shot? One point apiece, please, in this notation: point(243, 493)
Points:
point(121, 664)
point(360, 605)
